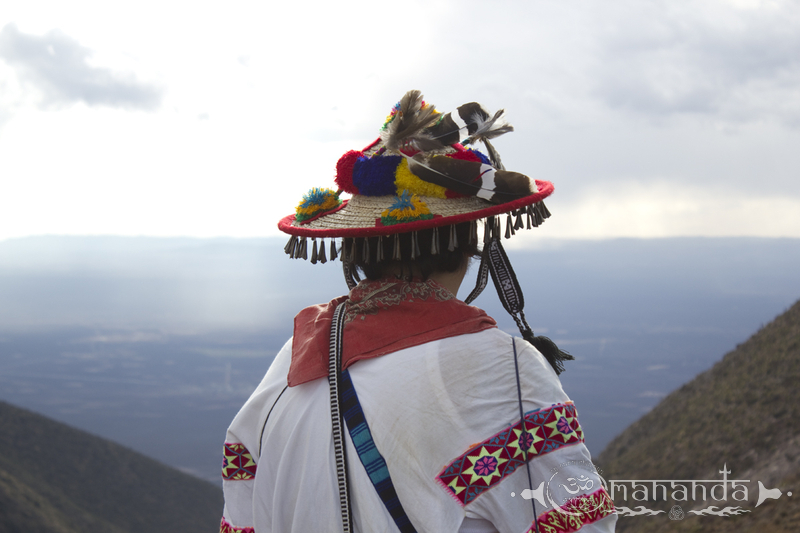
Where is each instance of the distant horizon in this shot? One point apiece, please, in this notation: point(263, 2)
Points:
point(510, 244)
point(112, 334)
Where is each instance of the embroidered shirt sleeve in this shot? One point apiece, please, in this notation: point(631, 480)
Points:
point(575, 513)
point(237, 463)
point(225, 527)
point(486, 464)
point(238, 475)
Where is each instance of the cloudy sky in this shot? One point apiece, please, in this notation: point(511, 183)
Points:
point(652, 118)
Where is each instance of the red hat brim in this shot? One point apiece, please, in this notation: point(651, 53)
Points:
point(288, 224)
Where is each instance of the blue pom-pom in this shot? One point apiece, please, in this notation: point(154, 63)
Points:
point(483, 158)
point(374, 176)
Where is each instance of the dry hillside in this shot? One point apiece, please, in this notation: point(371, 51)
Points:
point(743, 412)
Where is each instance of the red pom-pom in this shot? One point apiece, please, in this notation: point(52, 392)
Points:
point(344, 171)
point(466, 155)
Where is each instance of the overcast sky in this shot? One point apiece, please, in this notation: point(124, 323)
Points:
point(652, 118)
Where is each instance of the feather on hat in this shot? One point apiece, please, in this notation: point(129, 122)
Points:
point(420, 152)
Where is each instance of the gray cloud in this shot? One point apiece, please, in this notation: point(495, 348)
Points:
point(57, 65)
point(740, 65)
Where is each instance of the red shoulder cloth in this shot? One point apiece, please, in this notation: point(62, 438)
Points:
point(382, 317)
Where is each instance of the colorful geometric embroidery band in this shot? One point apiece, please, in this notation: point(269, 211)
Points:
point(486, 464)
point(576, 513)
point(225, 527)
point(237, 463)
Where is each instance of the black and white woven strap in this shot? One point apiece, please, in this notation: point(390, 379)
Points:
point(483, 278)
point(334, 366)
point(505, 281)
point(510, 294)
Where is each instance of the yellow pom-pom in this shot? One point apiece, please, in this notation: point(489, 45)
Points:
point(407, 208)
point(317, 201)
point(406, 181)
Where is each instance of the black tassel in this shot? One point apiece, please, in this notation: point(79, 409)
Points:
point(322, 258)
point(529, 217)
point(543, 208)
point(435, 242)
point(334, 255)
point(518, 223)
point(532, 215)
point(473, 232)
point(353, 250)
point(303, 248)
point(396, 256)
point(488, 226)
point(453, 244)
point(537, 213)
point(497, 227)
point(314, 251)
point(379, 254)
point(365, 251)
point(289, 248)
point(554, 355)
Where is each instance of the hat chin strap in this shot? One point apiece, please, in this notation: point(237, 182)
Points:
point(494, 261)
point(350, 275)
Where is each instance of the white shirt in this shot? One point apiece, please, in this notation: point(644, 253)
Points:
point(426, 406)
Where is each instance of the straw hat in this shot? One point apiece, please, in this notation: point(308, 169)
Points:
point(420, 174)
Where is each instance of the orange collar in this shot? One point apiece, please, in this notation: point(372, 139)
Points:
point(381, 317)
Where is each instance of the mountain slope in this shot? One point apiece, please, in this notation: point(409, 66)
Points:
point(54, 478)
point(744, 413)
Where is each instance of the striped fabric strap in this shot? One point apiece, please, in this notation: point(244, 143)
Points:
point(334, 376)
point(371, 458)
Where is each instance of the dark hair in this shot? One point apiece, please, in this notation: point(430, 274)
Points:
point(424, 252)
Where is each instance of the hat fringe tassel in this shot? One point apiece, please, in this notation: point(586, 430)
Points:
point(534, 215)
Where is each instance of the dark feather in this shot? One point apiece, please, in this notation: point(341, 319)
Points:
point(494, 157)
point(488, 128)
point(468, 178)
point(406, 129)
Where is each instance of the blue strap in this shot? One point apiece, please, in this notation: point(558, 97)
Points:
point(370, 457)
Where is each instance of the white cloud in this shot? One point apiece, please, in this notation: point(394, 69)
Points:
point(614, 101)
point(667, 57)
point(58, 67)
